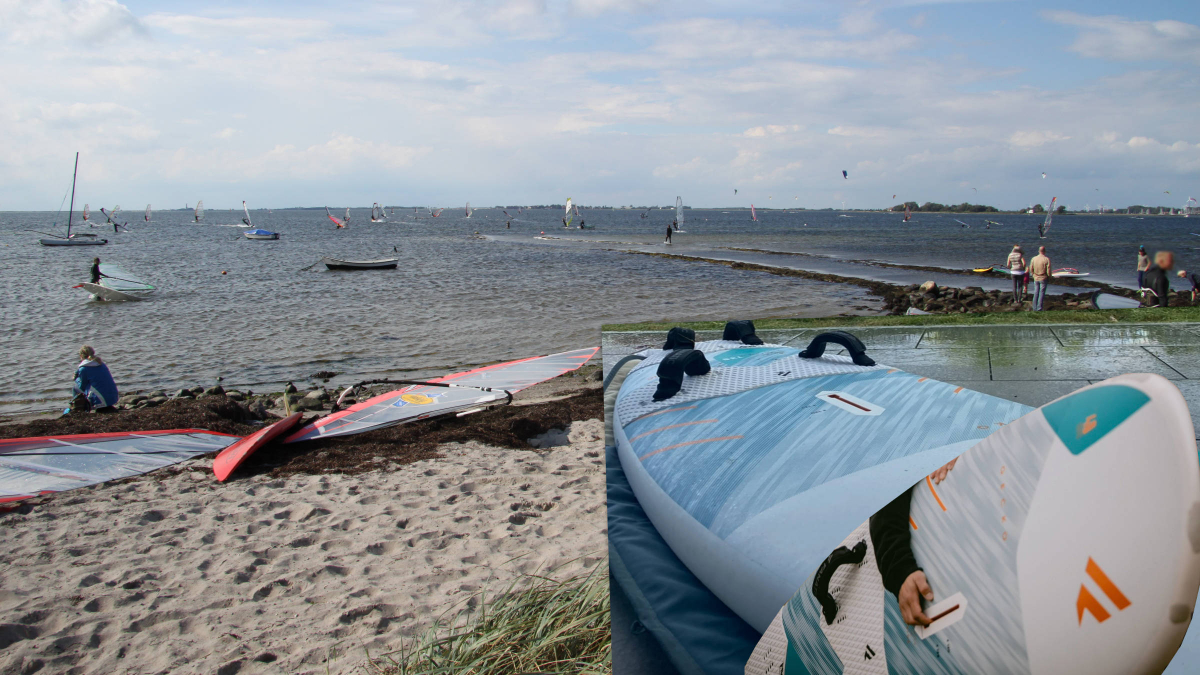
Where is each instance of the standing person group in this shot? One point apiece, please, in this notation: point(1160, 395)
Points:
point(1016, 266)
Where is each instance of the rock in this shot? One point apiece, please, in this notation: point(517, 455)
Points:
point(216, 390)
point(184, 393)
point(235, 395)
point(156, 392)
point(307, 403)
point(257, 410)
point(597, 376)
point(316, 395)
point(929, 287)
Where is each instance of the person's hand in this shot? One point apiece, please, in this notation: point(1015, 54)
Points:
point(914, 589)
point(940, 475)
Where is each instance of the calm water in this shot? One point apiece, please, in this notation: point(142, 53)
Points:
point(455, 301)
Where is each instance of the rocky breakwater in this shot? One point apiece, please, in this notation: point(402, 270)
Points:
point(929, 297)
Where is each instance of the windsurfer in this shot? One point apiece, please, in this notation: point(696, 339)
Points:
point(668, 234)
point(96, 273)
point(94, 386)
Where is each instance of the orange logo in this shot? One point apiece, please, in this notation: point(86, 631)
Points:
point(1085, 427)
point(1086, 602)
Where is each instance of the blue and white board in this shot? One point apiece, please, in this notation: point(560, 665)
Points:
point(1066, 542)
point(753, 472)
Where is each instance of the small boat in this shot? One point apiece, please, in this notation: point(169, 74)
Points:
point(337, 264)
point(260, 234)
point(73, 239)
point(1068, 272)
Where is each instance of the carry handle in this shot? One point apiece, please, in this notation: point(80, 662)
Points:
point(858, 351)
point(840, 556)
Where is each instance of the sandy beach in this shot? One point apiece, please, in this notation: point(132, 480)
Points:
point(294, 566)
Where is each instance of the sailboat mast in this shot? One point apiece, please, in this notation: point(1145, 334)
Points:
point(72, 211)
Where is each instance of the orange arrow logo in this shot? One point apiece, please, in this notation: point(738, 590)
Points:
point(1086, 602)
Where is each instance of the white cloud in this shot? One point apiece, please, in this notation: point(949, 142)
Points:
point(1035, 139)
point(598, 7)
point(1119, 39)
point(82, 21)
point(225, 134)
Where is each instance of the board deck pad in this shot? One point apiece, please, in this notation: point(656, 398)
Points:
point(1066, 542)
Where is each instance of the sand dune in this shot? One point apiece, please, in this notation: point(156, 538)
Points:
point(174, 572)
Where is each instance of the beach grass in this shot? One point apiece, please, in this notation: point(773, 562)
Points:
point(1117, 316)
point(538, 624)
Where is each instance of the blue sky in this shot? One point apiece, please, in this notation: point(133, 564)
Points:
point(607, 101)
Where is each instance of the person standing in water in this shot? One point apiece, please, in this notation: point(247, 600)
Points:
point(1016, 266)
point(94, 386)
point(96, 273)
point(668, 234)
point(1039, 268)
point(1143, 265)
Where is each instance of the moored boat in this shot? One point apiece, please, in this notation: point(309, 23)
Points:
point(338, 264)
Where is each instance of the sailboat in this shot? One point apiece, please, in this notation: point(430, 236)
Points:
point(199, 213)
point(1045, 226)
point(147, 213)
point(346, 221)
point(69, 240)
point(753, 215)
point(246, 216)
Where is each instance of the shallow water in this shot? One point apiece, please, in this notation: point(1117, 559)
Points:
point(455, 301)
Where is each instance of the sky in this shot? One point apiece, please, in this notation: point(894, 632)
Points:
point(611, 102)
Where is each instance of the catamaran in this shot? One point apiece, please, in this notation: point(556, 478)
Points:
point(72, 240)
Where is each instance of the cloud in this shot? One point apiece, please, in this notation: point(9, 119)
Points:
point(225, 134)
point(1116, 38)
point(83, 21)
point(1035, 139)
point(598, 7)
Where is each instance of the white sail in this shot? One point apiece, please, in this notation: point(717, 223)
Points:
point(147, 213)
point(246, 217)
point(87, 212)
point(679, 210)
point(199, 210)
point(347, 220)
point(1045, 226)
point(568, 217)
point(468, 209)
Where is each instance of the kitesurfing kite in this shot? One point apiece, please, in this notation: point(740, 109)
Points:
point(471, 390)
point(844, 174)
point(735, 191)
point(1043, 174)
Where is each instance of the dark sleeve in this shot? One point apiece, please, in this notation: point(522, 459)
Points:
point(1162, 286)
point(891, 538)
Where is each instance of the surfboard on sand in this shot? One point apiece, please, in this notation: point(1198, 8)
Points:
point(1065, 542)
point(1110, 301)
point(748, 470)
point(233, 456)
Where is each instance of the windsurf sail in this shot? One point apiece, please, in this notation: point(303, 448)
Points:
point(246, 212)
point(199, 210)
point(111, 215)
point(679, 210)
point(1190, 206)
point(907, 213)
point(86, 213)
point(435, 212)
point(471, 389)
point(119, 280)
point(1045, 226)
point(568, 216)
point(468, 209)
point(377, 214)
point(147, 213)
point(333, 218)
point(33, 466)
point(753, 215)
point(347, 220)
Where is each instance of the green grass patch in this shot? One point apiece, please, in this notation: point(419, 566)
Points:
point(1116, 316)
point(536, 625)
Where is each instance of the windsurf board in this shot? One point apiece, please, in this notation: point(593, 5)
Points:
point(232, 457)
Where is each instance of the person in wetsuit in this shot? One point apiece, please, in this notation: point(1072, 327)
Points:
point(96, 274)
point(892, 540)
point(668, 234)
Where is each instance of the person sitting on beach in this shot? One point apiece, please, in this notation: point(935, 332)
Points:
point(1158, 279)
point(94, 386)
point(1194, 279)
point(1142, 265)
point(1016, 265)
point(1039, 268)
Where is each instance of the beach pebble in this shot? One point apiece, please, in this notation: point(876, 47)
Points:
point(216, 390)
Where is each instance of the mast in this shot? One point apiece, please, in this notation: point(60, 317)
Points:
point(70, 213)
